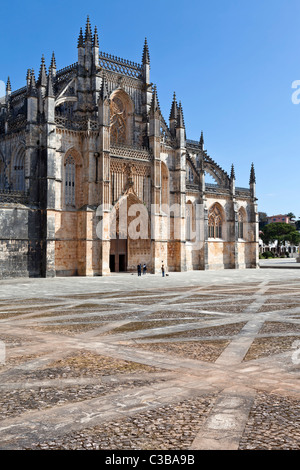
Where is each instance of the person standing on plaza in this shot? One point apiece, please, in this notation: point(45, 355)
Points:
point(139, 269)
point(144, 268)
point(163, 269)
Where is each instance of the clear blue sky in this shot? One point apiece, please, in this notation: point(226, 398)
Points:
point(231, 63)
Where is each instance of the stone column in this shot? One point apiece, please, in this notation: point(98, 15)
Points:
point(48, 178)
point(103, 169)
point(180, 167)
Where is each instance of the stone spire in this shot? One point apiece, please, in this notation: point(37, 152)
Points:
point(180, 128)
point(180, 120)
point(32, 79)
point(201, 142)
point(96, 38)
point(96, 50)
point(173, 112)
point(28, 78)
point(80, 47)
point(80, 39)
point(42, 80)
point(49, 107)
point(8, 86)
point(104, 89)
point(232, 174)
point(52, 68)
point(252, 182)
point(232, 181)
point(32, 98)
point(88, 48)
point(146, 70)
point(173, 115)
point(50, 92)
point(88, 31)
point(33, 90)
point(252, 175)
point(154, 108)
point(146, 55)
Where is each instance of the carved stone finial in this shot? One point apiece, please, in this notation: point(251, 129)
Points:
point(232, 174)
point(80, 39)
point(252, 175)
point(8, 85)
point(96, 38)
point(42, 80)
point(173, 112)
point(180, 119)
point(146, 55)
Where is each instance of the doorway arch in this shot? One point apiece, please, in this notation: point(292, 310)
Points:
point(130, 242)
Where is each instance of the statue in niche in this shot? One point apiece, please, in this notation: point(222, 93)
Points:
point(118, 121)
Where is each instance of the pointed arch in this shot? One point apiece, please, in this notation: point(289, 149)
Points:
point(190, 174)
point(165, 190)
point(130, 233)
point(2, 172)
point(72, 179)
point(216, 221)
point(242, 220)
point(18, 169)
point(190, 219)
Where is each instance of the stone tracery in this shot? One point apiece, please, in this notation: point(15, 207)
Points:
point(215, 222)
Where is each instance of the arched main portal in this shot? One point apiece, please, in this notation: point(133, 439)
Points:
point(130, 242)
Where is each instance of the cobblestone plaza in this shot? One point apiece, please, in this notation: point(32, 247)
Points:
point(198, 360)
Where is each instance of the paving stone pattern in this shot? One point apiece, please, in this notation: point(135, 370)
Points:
point(192, 361)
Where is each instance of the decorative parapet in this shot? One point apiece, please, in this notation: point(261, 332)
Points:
point(15, 124)
point(215, 189)
point(18, 96)
point(121, 66)
point(136, 153)
point(80, 124)
point(242, 192)
point(16, 197)
point(66, 73)
point(211, 188)
point(193, 143)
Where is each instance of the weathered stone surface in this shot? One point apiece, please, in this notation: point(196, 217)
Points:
point(90, 135)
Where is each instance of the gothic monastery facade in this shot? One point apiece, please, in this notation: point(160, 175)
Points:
point(90, 135)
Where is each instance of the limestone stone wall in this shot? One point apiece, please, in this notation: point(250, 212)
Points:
point(20, 244)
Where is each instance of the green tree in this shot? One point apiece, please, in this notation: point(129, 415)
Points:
point(263, 219)
point(281, 233)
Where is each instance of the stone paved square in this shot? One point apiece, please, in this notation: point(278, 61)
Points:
point(198, 360)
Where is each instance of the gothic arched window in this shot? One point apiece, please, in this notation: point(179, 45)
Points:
point(70, 177)
point(19, 172)
point(164, 185)
point(215, 222)
point(2, 176)
point(241, 220)
point(190, 221)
